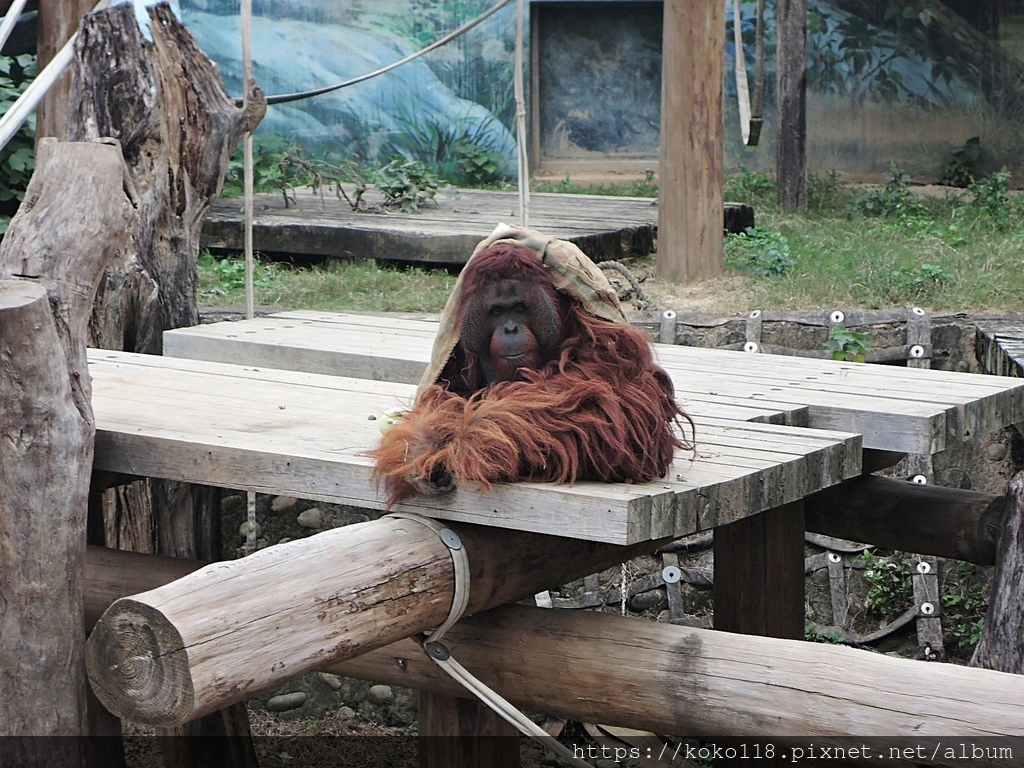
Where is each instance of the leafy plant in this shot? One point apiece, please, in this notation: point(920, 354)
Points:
point(991, 197)
point(891, 592)
point(227, 275)
point(962, 165)
point(892, 199)
point(477, 165)
point(848, 345)
point(759, 251)
point(17, 159)
point(748, 186)
point(964, 603)
point(406, 183)
point(919, 282)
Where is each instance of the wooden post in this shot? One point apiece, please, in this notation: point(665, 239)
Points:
point(691, 172)
point(73, 220)
point(791, 100)
point(759, 574)
point(456, 732)
point(1002, 641)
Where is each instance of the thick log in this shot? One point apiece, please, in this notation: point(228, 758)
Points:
point(58, 21)
point(691, 169)
point(896, 514)
point(597, 667)
point(52, 257)
point(233, 628)
point(791, 100)
point(1002, 640)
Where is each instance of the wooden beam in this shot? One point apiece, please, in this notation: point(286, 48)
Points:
point(896, 514)
point(691, 169)
point(175, 653)
point(597, 667)
point(52, 258)
point(791, 98)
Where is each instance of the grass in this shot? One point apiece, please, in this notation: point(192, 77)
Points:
point(884, 247)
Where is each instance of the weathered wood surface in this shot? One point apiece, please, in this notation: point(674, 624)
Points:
point(72, 222)
point(1002, 640)
point(691, 173)
point(895, 408)
point(1001, 347)
point(307, 435)
point(896, 514)
point(696, 682)
point(233, 628)
point(439, 234)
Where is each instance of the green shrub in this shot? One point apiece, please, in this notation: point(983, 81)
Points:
point(760, 252)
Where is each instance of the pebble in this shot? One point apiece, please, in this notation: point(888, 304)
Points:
point(283, 503)
point(311, 518)
point(380, 694)
point(996, 451)
point(286, 701)
point(332, 680)
point(233, 504)
point(243, 529)
point(645, 601)
point(346, 712)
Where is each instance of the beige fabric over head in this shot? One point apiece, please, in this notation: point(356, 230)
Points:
point(572, 272)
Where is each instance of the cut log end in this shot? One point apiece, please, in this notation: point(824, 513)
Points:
point(138, 667)
point(18, 294)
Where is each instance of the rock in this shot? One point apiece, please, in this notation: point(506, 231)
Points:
point(646, 601)
point(380, 695)
point(996, 451)
point(233, 505)
point(244, 528)
point(286, 701)
point(333, 681)
point(283, 503)
point(346, 712)
point(311, 518)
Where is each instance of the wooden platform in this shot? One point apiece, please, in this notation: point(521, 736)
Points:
point(897, 409)
point(305, 434)
point(442, 233)
point(1001, 347)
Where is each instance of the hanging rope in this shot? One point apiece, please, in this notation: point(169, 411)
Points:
point(750, 123)
point(287, 97)
point(524, 165)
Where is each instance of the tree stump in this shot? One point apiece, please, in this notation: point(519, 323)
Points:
point(75, 217)
point(164, 100)
point(1002, 640)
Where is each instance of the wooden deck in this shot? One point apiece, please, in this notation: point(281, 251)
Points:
point(1001, 347)
point(441, 233)
point(897, 409)
point(305, 434)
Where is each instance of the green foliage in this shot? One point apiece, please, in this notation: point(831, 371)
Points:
point(17, 159)
point(746, 186)
point(478, 167)
point(962, 165)
point(917, 283)
point(964, 602)
point(406, 183)
point(760, 252)
point(991, 197)
point(891, 591)
point(226, 276)
point(844, 344)
point(892, 200)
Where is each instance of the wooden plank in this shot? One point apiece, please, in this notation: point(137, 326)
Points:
point(444, 232)
point(304, 434)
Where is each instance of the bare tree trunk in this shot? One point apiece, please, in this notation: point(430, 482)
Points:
point(791, 90)
point(1002, 641)
point(58, 21)
point(75, 217)
point(164, 100)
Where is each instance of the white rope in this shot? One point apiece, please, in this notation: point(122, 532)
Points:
point(439, 653)
point(247, 175)
point(10, 20)
point(524, 166)
point(16, 116)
